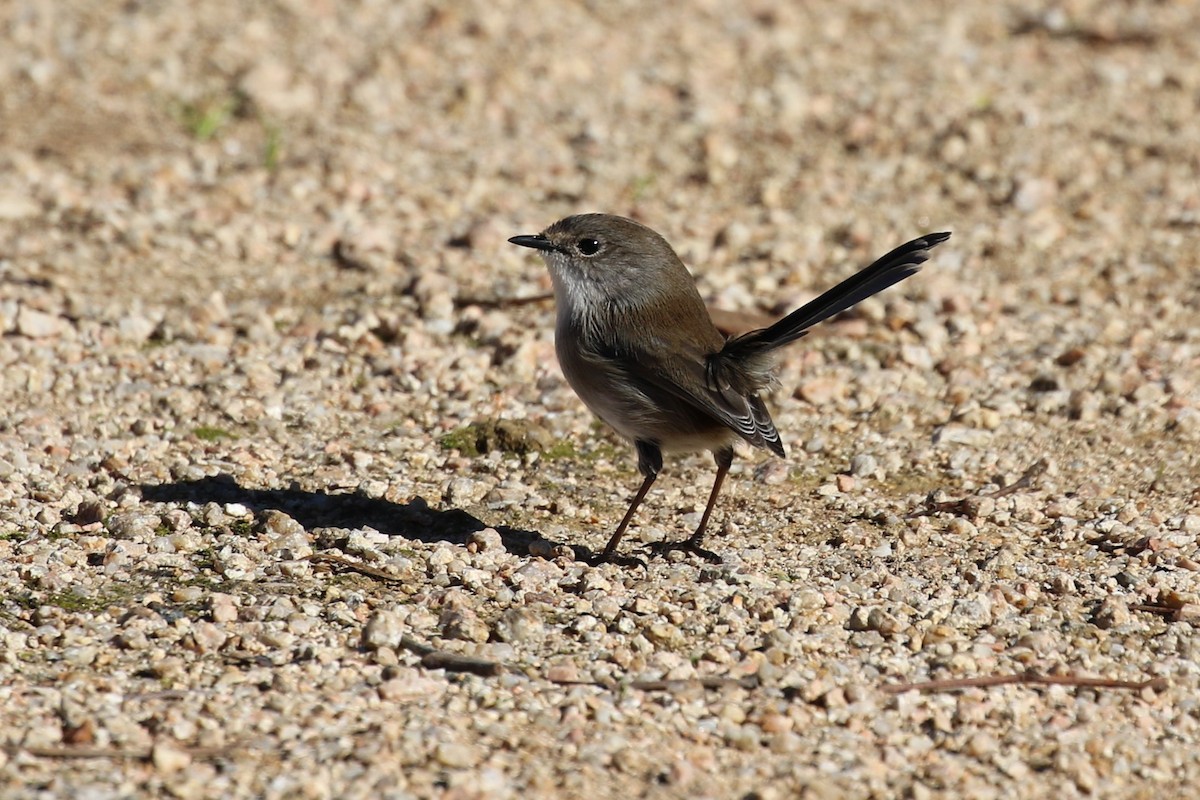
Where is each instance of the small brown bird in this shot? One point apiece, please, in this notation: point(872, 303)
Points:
point(636, 343)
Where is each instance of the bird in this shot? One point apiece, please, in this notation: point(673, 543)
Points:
point(636, 343)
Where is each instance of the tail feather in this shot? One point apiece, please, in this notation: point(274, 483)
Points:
point(744, 362)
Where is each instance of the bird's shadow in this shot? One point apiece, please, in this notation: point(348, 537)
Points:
point(415, 519)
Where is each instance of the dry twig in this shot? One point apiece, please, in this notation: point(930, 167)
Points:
point(432, 658)
point(354, 566)
point(1168, 612)
point(714, 682)
point(961, 505)
point(140, 754)
point(1025, 678)
point(666, 685)
point(1095, 35)
point(503, 302)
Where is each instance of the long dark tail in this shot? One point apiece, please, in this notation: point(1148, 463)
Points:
point(742, 361)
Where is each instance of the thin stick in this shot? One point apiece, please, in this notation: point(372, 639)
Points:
point(959, 506)
point(665, 685)
point(503, 302)
point(112, 752)
point(1024, 482)
point(1025, 678)
point(1093, 35)
point(713, 682)
point(416, 646)
point(1169, 613)
point(432, 658)
point(452, 662)
point(354, 566)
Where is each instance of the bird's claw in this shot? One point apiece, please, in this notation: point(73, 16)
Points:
point(686, 546)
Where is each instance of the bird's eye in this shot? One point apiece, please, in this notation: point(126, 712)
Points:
point(588, 247)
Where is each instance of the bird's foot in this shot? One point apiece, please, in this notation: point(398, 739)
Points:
point(690, 545)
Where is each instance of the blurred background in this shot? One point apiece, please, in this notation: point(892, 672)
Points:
point(781, 136)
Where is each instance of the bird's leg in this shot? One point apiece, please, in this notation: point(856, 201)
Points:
point(649, 464)
point(724, 459)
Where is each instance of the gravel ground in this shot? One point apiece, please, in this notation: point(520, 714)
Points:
point(294, 501)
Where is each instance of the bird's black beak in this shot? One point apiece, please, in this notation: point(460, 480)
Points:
point(536, 241)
